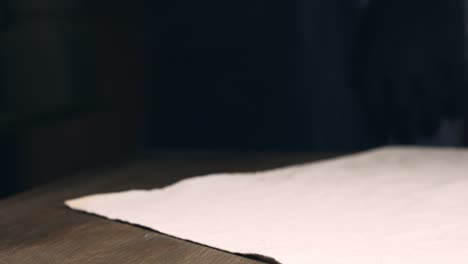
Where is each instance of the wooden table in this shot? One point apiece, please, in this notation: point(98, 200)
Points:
point(35, 227)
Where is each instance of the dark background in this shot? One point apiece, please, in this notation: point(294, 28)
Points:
point(84, 83)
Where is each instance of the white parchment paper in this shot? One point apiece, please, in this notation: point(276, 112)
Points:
point(391, 205)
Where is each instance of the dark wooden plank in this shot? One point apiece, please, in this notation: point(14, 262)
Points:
point(35, 227)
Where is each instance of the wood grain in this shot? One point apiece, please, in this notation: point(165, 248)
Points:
point(35, 227)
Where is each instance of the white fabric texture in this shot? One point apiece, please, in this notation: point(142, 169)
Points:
point(391, 205)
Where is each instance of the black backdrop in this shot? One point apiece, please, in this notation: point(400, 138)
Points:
point(253, 74)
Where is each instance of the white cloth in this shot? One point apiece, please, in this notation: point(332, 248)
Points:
point(392, 205)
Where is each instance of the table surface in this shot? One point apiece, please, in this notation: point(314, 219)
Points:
point(35, 226)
